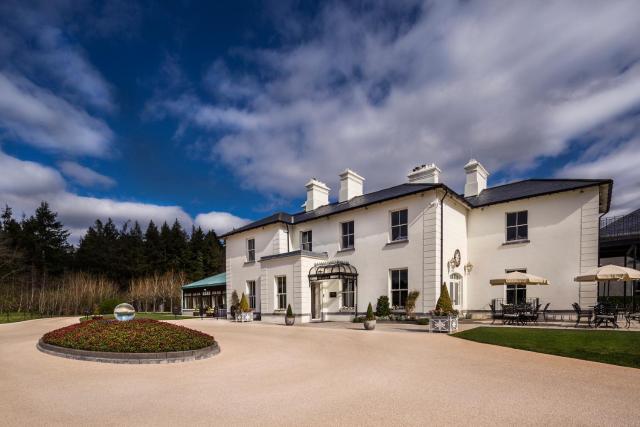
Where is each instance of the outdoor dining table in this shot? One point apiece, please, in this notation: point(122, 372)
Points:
point(519, 314)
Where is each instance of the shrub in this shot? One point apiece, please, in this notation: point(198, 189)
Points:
point(370, 315)
point(244, 304)
point(289, 311)
point(108, 305)
point(410, 304)
point(359, 319)
point(444, 306)
point(235, 303)
point(382, 306)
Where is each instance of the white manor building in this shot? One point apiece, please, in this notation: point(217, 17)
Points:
point(334, 259)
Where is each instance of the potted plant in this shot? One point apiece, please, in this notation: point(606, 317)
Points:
point(289, 318)
point(235, 305)
point(444, 318)
point(244, 313)
point(370, 319)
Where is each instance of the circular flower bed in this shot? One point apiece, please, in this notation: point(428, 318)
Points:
point(135, 336)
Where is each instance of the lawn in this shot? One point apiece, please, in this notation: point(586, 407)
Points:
point(18, 317)
point(614, 347)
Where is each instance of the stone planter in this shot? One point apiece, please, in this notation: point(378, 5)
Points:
point(370, 325)
point(446, 324)
point(289, 320)
point(244, 317)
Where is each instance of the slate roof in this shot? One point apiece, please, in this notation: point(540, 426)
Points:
point(530, 188)
point(499, 194)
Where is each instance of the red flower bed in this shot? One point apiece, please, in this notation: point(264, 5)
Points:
point(135, 336)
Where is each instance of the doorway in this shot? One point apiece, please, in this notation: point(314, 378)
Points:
point(315, 301)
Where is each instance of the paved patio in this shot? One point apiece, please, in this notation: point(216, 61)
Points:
point(276, 375)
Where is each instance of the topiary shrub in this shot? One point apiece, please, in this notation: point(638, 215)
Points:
point(108, 305)
point(289, 311)
point(382, 306)
point(444, 306)
point(410, 303)
point(370, 315)
point(244, 304)
point(235, 303)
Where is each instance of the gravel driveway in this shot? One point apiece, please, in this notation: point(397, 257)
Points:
point(277, 375)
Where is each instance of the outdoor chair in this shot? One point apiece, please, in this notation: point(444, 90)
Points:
point(533, 316)
point(629, 316)
point(580, 313)
point(495, 314)
point(544, 311)
point(509, 314)
point(606, 314)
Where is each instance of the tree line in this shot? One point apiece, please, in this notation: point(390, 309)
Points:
point(145, 267)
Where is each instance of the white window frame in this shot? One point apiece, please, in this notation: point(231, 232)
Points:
point(308, 243)
point(251, 253)
point(251, 293)
point(280, 294)
point(352, 234)
point(399, 290)
point(517, 224)
point(400, 225)
point(346, 292)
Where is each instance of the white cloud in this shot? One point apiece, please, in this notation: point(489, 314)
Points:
point(24, 184)
point(27, 179)
point(221, 222)
point(621, 164)
point(85, 176)
point(507, 82)
point(38, 117)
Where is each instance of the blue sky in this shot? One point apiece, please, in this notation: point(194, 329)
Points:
point(216, 113)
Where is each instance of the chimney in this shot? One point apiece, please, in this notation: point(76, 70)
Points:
point(317, 195)
point(425, 174)
point(351, 185)
point(476, 178)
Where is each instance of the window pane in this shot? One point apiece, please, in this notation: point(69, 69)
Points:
point(511, 219)
point(522, 217)
point(522, 232)
point(395, 218)
point(395, 233)
point(403, 216)
point(511, 233)
point(510, 294)
point(351, 227)
point(403, 232)
point(404, 281)
point(395, 298)
point(403, 298)
point(395, 279)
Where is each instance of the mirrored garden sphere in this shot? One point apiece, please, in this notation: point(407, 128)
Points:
point(124, 312)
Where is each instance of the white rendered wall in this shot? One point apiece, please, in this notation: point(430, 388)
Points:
point(563, 243)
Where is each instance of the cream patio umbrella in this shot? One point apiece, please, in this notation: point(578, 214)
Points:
point(608, 273)
point(518, 278)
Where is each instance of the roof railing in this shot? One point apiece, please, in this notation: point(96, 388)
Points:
point(620, 226)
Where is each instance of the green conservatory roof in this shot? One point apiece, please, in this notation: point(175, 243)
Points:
point(218, 279)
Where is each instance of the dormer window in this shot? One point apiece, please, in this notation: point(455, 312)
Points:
point(517, 226)
point(306, 238)
point(251, 250)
